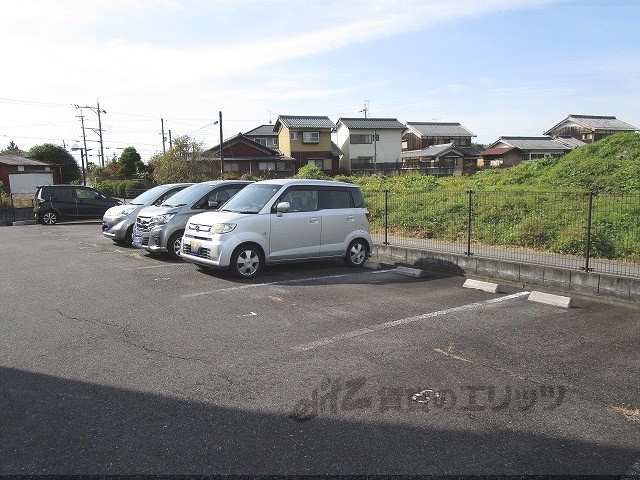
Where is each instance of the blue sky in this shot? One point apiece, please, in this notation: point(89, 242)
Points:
point(499, 67)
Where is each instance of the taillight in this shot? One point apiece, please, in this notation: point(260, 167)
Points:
point(368, 215)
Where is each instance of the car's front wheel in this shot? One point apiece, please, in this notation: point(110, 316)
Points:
point(175, 244)
point(246, 261)
point(356, 253)
point(50, 217)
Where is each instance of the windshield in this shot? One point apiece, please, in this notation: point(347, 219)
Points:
point(188, 195)
point(150, 196)
point(251, 199)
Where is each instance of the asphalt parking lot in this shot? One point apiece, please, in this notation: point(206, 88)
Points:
point(117, 362)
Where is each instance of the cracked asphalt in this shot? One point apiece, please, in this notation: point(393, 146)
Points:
point(117, 362)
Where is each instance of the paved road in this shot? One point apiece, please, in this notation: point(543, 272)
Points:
point(116, 362)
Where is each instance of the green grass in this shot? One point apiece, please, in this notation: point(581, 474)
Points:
point(540, 204)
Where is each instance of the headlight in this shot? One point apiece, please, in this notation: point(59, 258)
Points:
point(161, 219)
point(223, 227)
point(127, 210)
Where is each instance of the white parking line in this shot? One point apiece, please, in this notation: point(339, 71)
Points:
point(403, 321)
point(280, 282)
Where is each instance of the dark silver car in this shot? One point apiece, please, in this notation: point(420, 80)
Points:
point(160, 229)
point(118, 222)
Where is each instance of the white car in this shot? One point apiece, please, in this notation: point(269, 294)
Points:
point(276, 221)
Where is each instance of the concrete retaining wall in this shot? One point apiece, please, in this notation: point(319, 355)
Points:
point(554, 278)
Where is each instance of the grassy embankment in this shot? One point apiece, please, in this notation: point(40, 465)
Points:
point(540, 204)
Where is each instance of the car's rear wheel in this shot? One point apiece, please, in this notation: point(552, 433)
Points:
point(356, 253)
point(50, 217)
point(246, 261)
point(175, 244)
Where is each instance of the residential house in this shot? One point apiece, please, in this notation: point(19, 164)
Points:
point(264, 135)
point(242, 155)
point(442, 159)
point(420, 135)
point(369, 145)
point(307, 140)
point(589, 128)
point(509, 151)
point(23, 174)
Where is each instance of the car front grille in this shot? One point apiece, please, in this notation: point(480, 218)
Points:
point(201, 252)
point(143, 224)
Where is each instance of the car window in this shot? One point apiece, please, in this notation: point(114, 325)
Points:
point(61, 192)
point(300, 199)
point(336, 198)
point(84, 193)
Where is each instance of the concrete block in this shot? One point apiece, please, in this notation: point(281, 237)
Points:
point(584, 282)
point(484, 286)
point(617, 287)
point(412, 272)
point(634, 290)
point(468, 264)
point(508, 271)
point(486, 268)
point(550, 299)
point(557, 278)
point(20, 223)
point(533, 274)
point(371, 264)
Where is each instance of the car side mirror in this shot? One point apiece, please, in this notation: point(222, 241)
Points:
point(212, 204)
point(282, 207)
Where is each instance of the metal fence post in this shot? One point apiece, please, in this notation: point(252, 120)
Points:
point(386, 217)
point(587, 249)
point(468, 252)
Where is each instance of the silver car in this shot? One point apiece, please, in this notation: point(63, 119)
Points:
point(159, 229)
point(118, 222)
point(276, 221)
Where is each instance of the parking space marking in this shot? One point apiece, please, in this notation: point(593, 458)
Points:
point(164, 265)
point(280, 282)
point(403, 321)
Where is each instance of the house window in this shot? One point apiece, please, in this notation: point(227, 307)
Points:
point(267, 166)
point(274, 141)
point(318, 162)
point(293, 135)
point(21, 168)
point(261, 141)
point(359, 138)
point(231, 166)
point(310, 137)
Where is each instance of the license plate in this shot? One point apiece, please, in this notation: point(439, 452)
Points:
point(137, 241)
point(195, 246)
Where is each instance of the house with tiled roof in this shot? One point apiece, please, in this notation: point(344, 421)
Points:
point(441, 160)
point(307, 140)
point(370, 145)
point(22, 174)
point(243, 155)
point(264, 135)
point(589, 128)
point(509, 151)
point(419, 135)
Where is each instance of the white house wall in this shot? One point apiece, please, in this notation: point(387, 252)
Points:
point(387, 149)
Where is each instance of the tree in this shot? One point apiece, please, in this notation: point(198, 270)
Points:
point(182, 163)
point(311, 171)
point(12, 149)
point(69, 168)
point(129, 161)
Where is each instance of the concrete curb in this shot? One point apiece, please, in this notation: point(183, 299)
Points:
point(484, 286)
point(20, 223)
point(411, 272)
point(549, 299)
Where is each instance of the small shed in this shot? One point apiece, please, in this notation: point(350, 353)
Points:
point(21, 175)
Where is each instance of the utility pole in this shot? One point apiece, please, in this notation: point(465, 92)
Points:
point(82, 157)
point(170, 141)
point(365, 110)
point(162, 133)
point(221, 154)
point(97, 111)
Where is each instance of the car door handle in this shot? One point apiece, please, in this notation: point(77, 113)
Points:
point(350, 218)
point(313, 220)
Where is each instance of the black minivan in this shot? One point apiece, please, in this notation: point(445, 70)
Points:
point(54, 203)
